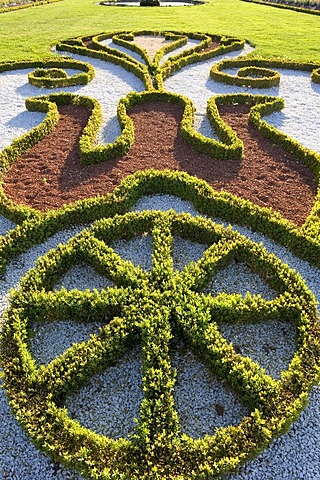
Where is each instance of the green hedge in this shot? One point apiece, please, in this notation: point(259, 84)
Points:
point(125, 61)
point(60, 63)
point(261, 106)
point(177, 42)
point(27, 5)
point(153, 68)
point(315, 76)
point(152, 74)
point(23, 143)
point(118, 40)
point(89, 153)
point(53, 73)
point(124, 41)
point(256, 66)
point(195, 55)
point(229, 148)
point(205, 199)
point(53, 76)
point(258, 73)
point(284, 5)
point(151, 308)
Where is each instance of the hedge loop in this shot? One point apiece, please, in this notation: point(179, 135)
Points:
point(53, 75)
point(255, 72)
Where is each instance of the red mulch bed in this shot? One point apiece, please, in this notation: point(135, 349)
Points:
point(50, 173)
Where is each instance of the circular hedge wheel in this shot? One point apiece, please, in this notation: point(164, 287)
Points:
point(152, 307)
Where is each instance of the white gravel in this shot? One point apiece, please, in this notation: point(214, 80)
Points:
point(83, 277)
point(111, 400)
point(110, 83)
point(164, 203)
point(270, 344)
point(239, 278)
point(184, 252)
point(295, 455)
point(5, 225)
point(48, 341)
point(300, 118)
point(138, 250)
point(203, 403)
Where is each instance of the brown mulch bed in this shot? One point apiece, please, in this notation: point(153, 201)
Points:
point(50, 173)
point(210, 47)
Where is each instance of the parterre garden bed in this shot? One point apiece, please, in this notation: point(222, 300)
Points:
point(169, 285)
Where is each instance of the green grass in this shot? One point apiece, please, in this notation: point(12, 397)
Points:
point(30, 32)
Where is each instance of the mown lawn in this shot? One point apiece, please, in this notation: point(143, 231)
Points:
point(29, 33)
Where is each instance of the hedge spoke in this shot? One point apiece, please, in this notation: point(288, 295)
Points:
point(110, 264)
point(234, 308)
point(80, 306)
point(76, 365)
point(162, 270)
point(158, 424)
point(247, 378)
point(197, 275)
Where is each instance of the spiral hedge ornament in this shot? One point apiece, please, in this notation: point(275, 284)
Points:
point(56, 77)
point(156, 308)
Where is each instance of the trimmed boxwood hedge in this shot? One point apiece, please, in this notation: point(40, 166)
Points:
point(109, 55)
point(34, 3)
point(230, 147)
point(151, 308)
point(282, 4)
point(263, 76)
point(54, 76)
point(259, 73)
point(194, 55)
point(303, 242)
point(50, 64)
point(152, 74)
point(89, 153)
point(315, 76)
